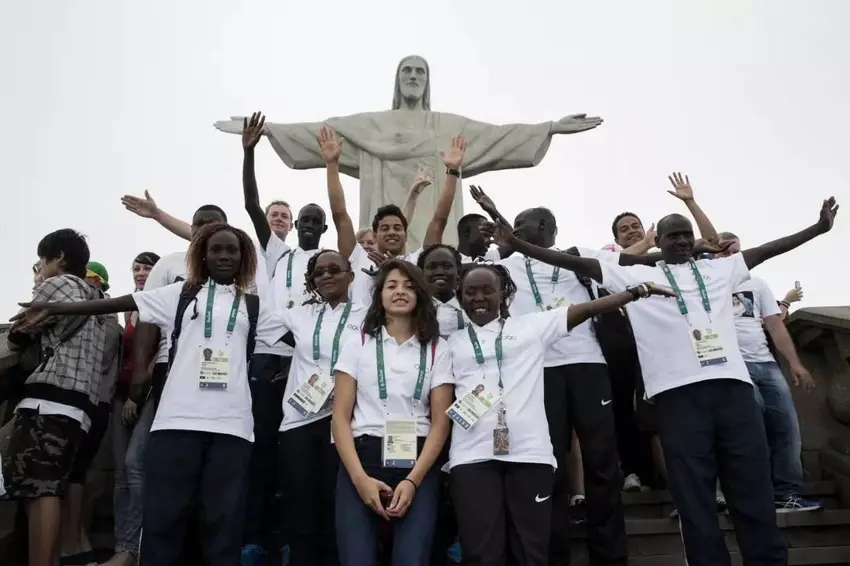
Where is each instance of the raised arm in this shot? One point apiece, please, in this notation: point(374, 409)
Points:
point(331, 149)
point(252, 131)
point(453, 160)
point(578, 313)
point(683, 191)
point(147, 208)
point(487, 204)
point(644, 245)
point(422, 180)
point(586, 267)
point(757, 256)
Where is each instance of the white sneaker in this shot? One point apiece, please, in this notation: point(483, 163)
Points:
point(632, 483)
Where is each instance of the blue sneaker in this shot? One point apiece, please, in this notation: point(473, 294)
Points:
point(454, 553)
point(795, 504)
point(253, 555)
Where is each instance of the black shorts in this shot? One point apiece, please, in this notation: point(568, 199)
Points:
point(41, 453)
point(91, 444)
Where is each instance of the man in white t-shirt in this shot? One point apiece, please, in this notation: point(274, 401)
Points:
point(708, 419)
point(756, 311)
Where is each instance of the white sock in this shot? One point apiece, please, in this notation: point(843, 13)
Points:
point(576, 498)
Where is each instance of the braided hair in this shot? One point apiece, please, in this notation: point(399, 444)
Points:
point(508, 289)
point(310, 281)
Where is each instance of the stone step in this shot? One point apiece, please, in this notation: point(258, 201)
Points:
point(659, 503)
point(821, 556)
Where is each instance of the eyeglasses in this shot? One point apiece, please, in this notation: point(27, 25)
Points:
point(330, 270)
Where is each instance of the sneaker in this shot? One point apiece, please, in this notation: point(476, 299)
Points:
point(632, 483)
point(455, 555)
point(795, 504)
point(578, 511)
point(253, 555)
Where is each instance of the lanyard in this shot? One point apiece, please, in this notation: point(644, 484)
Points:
point(501, 417)
point(382, 372)
point(234, 310)
point(317, 332)
point(683, 308)
point(289, 270)
point(538, 300)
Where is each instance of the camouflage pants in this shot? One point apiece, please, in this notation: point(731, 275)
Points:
point(41, 452)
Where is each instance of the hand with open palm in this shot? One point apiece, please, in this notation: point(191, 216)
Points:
point(453, 157)
point(330, 145)
point(252, 130)
point(144, 207)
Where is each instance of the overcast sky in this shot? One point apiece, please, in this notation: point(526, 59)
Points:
point(750, 98)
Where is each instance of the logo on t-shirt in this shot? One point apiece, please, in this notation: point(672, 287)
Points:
point(742, 304)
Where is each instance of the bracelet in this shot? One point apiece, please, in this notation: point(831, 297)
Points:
point(785, 304)
point(639, 291)
point(415, 487)
point(450, 171)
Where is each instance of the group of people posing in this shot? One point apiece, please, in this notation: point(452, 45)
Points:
point(425, 390)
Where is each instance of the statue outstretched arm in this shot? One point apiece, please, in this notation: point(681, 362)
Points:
point(297, 145)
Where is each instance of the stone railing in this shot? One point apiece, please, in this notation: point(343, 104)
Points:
point(822, 336)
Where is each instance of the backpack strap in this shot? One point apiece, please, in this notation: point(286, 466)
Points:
point(252, 303)
point(274, 269)
point(188, 294)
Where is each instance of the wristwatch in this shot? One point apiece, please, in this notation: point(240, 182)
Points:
point(450, 171)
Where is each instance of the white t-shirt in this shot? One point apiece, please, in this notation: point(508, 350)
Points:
point(525, 340)
point(361, 289)
point(184, 405)
point(277, 267)
point(751, 302)
point(664, 337)
point(491, 255)
point(169, 269)
point(582, 346)
point(359, 360)
point(302, 322)
point(450, 316)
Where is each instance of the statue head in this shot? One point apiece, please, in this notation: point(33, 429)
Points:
point(412, 83)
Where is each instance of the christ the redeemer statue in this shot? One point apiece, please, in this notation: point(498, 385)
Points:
point(386, 149)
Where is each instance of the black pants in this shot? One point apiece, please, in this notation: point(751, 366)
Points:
point(187, 470)
point(91, 444)
point(633, 445)
point(715, 428)
point(503, 509)
point(309, 464)
point(579, 396)
point(262, 522)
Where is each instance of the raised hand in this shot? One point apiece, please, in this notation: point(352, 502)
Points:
point(453, 158)
point(651, 236)
point(252, 130)
point(827, 215)
point(575, 123)
point(702, 246)
point(31, 316)
point(485, 202)
point(329, 145)
point(794, 295)
point(423, 179)
point(504, 235)
point(144, 207)
point(682, 187)
point(379, 258)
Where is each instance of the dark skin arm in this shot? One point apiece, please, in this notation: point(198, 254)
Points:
point(487, 204)
point(33, 313)
point(252, 131)
point(764, 252)
point(583, 266)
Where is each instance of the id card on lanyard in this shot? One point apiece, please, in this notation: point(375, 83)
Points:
point(707, 343)
point(535, 291)
point(400, 439)
point(315, 395)
point(470, 408)
point(215, 362)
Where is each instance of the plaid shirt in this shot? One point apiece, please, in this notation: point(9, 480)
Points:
point(73, 373)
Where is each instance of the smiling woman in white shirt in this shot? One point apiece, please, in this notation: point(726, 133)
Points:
point(440, 264)
point(392, 391)
point(200, 442)
point(501, 456)
point(307, 458)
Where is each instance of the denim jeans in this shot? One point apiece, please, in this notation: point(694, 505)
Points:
point(357, 526)
point(782, 425)
point(128, 445)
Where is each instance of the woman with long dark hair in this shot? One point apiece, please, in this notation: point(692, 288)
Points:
point(392, 390)
point(307, 458)
point(501, 456)
point(200, 442)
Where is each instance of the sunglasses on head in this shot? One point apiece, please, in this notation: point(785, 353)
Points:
point(330, 270)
